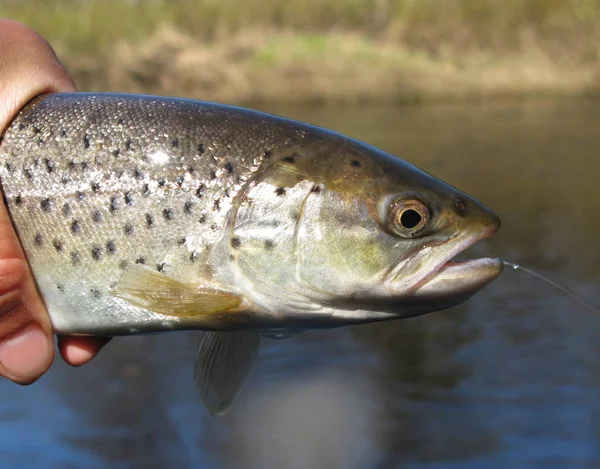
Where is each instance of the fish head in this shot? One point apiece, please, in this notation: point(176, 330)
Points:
point(366, 235)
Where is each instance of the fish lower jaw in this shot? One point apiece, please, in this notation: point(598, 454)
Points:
point(460, 278)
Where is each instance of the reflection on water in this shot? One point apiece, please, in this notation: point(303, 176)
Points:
point(509, 379)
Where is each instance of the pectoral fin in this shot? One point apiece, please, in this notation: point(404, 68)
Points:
point(162, 294)
point(222, 367)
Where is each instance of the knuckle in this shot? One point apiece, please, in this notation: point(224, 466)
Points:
point(13, 314)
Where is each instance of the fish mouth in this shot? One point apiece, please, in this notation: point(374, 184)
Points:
point(446, 277)
point(459, 279)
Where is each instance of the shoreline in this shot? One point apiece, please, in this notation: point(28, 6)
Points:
point(338, 67)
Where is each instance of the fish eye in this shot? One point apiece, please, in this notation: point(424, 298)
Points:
point(407, 217)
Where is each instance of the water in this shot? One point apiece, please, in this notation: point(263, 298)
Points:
point(509, 379)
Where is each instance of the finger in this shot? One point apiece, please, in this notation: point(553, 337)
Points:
point(28, 67)
point(77, 351)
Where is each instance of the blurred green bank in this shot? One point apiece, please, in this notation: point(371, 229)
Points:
point(324, 50)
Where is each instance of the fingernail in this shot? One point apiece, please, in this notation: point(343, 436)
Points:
point(26, 355)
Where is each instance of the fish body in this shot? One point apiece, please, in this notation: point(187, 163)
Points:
point(145, 214)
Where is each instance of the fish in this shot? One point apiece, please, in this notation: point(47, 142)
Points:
point(143, 214)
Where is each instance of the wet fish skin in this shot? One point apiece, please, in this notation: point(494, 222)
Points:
point(98, 183)
point(145, 214)
point(218, 198)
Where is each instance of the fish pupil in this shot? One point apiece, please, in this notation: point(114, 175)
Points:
point(410, 219)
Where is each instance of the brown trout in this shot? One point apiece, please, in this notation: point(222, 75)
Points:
point(145, 214)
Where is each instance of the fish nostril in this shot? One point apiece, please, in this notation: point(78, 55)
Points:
point(461, 206)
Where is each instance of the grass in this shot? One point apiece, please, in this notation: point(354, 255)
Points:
point(245, 50)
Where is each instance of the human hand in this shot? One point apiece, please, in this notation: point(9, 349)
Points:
point(28, 67)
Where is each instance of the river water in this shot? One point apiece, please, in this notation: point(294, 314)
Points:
point(510, 379)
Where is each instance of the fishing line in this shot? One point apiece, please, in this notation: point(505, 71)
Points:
point(554, 284)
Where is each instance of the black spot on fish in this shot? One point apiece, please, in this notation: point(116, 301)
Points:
point(188, 207)
point(181, 241)
point(28, 174)
point(114, 204)
point(128, 229)
point(214, 227)
point(161, 266)
point(60, 287)
point(268, 154)
point(66, 210)
point(213, 175)
point(95, 187)
point(355, 163)
point(49, 164)
point(97, 216)
point(120, 121)
point(80, 196)
point(200, 148)
point(461, 206)
point(58, 245)
point(18, 199)
point(146, 190)
point(9, 167)
point(217, 205)
point(111, 247)
point(138, 173)
point(168, 214)
point(46, 205)
point(97, 253)
point(191, 169)
point(280, 191)
point(75, 258)
point(63, 133)
point(149, 220)
point(140, 260)
point(86, 142)
point(75, 226)
point(21, 126)
point(161, 183)
point(175, 143)
point(316, 189)
point(65, 179)
point(128, 145)
point(202, 219)
point(84, 166)
point(200, 191)
point(116, 153)
point(123, 264)
point(194, 256)
point(71, 165)
point(40, 141)
point(38, 240)
point(235, 242)
point(36, 129)
point(98, 160)
point(269, 245)
point(228, 167)
point(95, 292)
point(179, 180)
point(291, 159)
point(128, 198)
